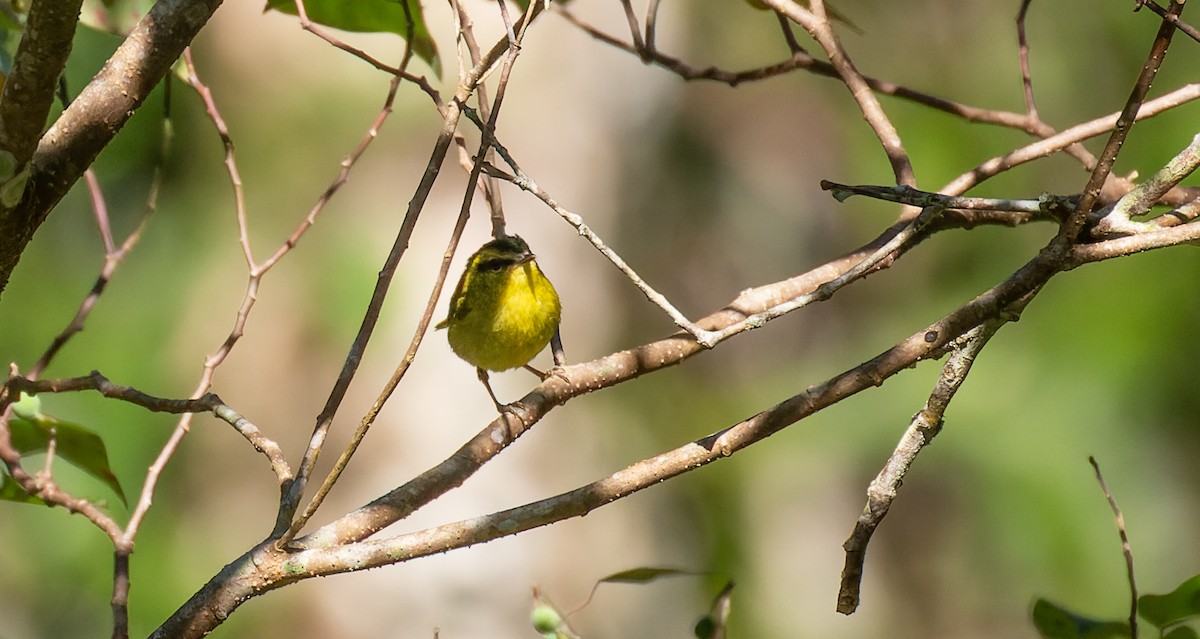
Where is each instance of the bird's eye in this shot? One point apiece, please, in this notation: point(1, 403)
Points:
point(493, 264)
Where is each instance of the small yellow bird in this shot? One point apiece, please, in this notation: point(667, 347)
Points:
point(504, 311)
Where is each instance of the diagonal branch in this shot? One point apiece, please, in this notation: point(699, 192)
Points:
point(1065, 139)
point(1115, 220)
point(337, 547)
point(1108, 157)
point(927, 343)
point(817, 25)
point(926, 424)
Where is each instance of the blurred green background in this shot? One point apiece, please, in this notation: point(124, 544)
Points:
point(706, 190)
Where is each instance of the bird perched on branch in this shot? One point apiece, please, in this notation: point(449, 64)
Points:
point(504, 311)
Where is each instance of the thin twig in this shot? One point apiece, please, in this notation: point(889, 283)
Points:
point(785, 26)
point(1065, 139)
point(1091, 193)
point(915, 197)
point(1126, 549)
point(925, 425)
point(154, 472)
point(1023, 57)
point(112, 259)
point(1186, 28)
point(817, 25)
point(1115, 221)
point(401, 71)
point(526, 183)
point(1164, 237)
point(800, 60)
point(710, 338)
point(651, 28)
point(371, 134)
point(207, 403)
point(491, 191)
point(890, 250)
point(635, 30)
point(285, 527)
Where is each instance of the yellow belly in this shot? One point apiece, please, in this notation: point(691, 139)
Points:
point(511, 328)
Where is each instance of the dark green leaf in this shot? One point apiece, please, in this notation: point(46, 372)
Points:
point(1182, 632)
point(11, 491)
point(73, 443)
point(643, 575)
point(1180, 604)
point(11, 23)
point(1107, 630)
point(1055, 622)
point(370, 16)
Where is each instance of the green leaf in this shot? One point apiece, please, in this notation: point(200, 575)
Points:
point(1182, 632)
point(11, 491)
point(1055, 622)
point(1107, 630)
point(1180, 604)
point(370, 16)
point(77, 445)
point(13, 23)
point(643, 575)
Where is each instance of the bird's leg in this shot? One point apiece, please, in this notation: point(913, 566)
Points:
point(516, 409)
point(556, 349)
point(483, 377)
point(560, 360)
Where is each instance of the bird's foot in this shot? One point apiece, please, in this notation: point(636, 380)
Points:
point(558, 371)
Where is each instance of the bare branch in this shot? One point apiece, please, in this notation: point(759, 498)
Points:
point(1125, 548)
point(1115, 220)
point(929, 342)
point(1186, 28)
point(926, 425)
point(817, 25)
point(1163, 237)
point(1023, 56)
point(113, 256)
point(1091, 193)
point(1060, 141)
